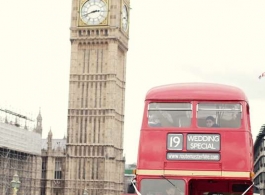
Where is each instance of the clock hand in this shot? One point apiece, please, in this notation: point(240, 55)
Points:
point(94, 11)
point(97, 11)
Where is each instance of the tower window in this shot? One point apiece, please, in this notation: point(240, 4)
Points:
point(43, 173)
point(58, 169)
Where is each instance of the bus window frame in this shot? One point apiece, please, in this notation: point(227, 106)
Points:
point(190, 109)
point(245, 121)
point(241, 111)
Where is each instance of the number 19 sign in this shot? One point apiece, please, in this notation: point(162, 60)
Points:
point(174, 141)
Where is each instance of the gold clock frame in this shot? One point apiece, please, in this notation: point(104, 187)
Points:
point(80, 23)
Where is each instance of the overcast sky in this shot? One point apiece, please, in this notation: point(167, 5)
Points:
point(171, 41)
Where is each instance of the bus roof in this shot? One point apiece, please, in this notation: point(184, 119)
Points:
point(196, 91)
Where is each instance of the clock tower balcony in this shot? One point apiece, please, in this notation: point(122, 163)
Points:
point(100, 34)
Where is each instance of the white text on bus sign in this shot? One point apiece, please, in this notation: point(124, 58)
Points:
point(204, 142)
point(174, 141)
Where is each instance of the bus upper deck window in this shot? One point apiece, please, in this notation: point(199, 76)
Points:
point(225, 115)
point(169, 114)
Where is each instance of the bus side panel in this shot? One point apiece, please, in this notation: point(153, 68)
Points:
point(236, 152)
point(152, 150)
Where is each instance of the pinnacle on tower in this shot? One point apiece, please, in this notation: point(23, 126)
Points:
point(25, 127)
point(38, 129)
point(39, 116)
point(49, 142)
point(50, 132)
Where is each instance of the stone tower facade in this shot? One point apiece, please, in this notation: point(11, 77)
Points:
point(94, 148)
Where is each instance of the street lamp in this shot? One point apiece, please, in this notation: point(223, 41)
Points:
point(85, 192)
point(15, 183)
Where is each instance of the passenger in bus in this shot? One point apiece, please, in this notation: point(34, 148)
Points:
point(210, 122)
point(173, 190)
point(166, 119)
point(154, 121)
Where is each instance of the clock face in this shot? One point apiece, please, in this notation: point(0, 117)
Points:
point(94, 12)
point(125, 18)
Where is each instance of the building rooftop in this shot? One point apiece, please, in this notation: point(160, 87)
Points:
point(56, 143)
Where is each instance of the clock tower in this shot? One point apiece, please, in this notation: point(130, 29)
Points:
point(99, 44)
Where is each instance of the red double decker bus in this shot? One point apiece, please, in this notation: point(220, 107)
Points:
point(196, 140)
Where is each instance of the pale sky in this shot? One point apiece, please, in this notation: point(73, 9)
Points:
point(221, 41)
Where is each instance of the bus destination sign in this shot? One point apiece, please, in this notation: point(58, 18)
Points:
point(203, 142)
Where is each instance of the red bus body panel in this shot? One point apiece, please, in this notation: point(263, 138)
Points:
point(234, 149)
point(196, 91)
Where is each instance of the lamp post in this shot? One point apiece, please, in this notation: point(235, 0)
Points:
point(15, 183)
point(85, 192)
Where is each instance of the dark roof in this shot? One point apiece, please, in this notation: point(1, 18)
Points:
point(259, 137)
point(196, 91)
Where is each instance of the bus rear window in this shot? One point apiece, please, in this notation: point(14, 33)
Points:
point(214, 115)
point(169, 114)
